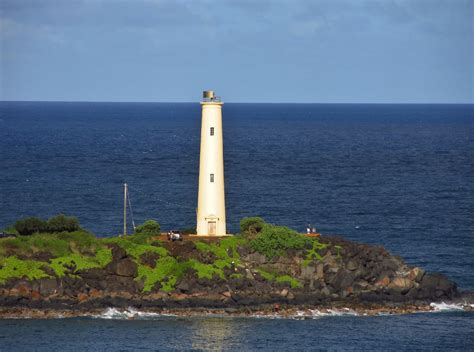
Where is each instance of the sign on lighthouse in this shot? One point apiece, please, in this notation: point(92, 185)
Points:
point(211, 195)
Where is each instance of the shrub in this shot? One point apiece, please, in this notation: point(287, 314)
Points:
point(62, 223)
point(58, 223)
point(276, 240)
point(253, 224)
point(29, 226)
point(149, 227)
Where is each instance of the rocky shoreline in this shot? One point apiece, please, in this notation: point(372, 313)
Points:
point(363, 279)
point(268, 311)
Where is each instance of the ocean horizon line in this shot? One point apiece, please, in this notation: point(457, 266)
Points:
point(230, 102)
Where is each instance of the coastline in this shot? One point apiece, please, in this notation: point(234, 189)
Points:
point(266, 311)
point(276, 273)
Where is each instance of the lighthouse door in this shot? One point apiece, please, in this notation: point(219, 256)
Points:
point(211, 228)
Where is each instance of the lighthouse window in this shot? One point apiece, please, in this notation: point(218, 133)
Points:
point(212, 131)
point(212, 177)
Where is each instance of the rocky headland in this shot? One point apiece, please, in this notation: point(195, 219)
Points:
point(265, 270)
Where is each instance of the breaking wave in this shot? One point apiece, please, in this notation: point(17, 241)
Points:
point(134, 314)
point(450, 307)
point(129, 314)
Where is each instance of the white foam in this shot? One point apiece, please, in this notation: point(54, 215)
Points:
point(132, 313)
point(446, 307)
point(129, 313)
point(316, 313)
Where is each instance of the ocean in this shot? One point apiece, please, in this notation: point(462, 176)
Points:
point(399, 176)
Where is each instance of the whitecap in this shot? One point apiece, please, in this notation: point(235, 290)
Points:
point(446, 307)
point(129, 313)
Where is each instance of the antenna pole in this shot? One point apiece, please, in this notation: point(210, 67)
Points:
point(125, 209)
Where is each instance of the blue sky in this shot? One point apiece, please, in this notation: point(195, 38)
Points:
point(354, 51)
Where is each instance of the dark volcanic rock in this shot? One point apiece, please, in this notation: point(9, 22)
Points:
point(126, 267)
point(437, 285)
point(355, 273)
point(122, 267)
point(117, 252)
point(149, 259)
point(48, 286)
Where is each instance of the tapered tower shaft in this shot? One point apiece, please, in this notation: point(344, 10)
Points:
point(211, 219)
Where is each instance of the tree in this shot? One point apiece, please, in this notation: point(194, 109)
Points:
point(149, 227)
point(253, 224)
point(62, 223)
point(29, 226)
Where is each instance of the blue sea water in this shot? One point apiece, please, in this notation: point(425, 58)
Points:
point(396, 175)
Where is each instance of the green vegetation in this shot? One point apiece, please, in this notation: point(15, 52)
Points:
point(274, 240)
point(62, 223)
point(12, 267)
point(75, 262)
point(136, 246)
point(252, 225)
point(225, 251)
point(266, 275)
point(167, 271)
point(59, 247)
point(65, 253)
point(313, 252)
point(58, 223)
point(206, 271)
point(29, 226)
point(294, 283)
point(149, 227)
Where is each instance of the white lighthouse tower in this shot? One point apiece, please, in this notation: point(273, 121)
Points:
point(211, 196)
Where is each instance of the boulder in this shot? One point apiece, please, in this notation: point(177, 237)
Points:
point(126, 267)
point(401, 284)
point(183, 286)
point(416, 274)
point(117, 252)
point(435, 285)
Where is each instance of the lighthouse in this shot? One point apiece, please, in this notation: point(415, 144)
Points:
point(211, 196)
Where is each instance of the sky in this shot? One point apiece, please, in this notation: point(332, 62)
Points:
point(302, 51)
